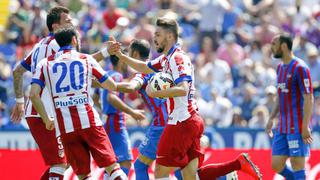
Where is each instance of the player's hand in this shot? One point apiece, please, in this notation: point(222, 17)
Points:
point(17, 113)
point(306, 135)
point(49, 124)
point(113, 46)
point(138, 115)
point(269, 128)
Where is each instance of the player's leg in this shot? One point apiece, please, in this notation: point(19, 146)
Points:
point(298, 153)
point(280, 153)
point(141, 166)
point(50, 147)
point(177, 148)
point(77, 153)
point(190, 171)
point(147, 152)
point(102, 152)
point(122, 148)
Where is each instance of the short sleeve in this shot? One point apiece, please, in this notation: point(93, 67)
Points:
point(26, 62)
point(181, 68)
point(97, 71)
point(155, 64)
point(304, 80)
point(140, 78)
point(38, 76)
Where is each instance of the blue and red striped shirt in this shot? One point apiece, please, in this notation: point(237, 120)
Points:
point(157, 106)
point(107, 109)
point(293, 81)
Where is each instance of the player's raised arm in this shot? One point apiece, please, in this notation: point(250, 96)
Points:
point(103, 53)
point(135, 63)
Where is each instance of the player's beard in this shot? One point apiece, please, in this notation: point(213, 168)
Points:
point(161, 47)
point(278, 54)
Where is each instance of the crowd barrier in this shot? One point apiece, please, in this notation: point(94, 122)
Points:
point(28, 164)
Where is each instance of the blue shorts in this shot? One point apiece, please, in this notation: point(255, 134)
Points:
point(120, 142)
point(149, 145)
point(289, 145)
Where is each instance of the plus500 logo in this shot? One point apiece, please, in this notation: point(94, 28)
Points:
point(71, 101)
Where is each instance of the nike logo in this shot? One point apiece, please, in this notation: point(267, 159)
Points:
point(295, 151)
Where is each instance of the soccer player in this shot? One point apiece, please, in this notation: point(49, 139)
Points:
point(68, 76)
point(113, 107)
point(140, 49)
point(179, 145)
point(50, 146)
point(292, 138)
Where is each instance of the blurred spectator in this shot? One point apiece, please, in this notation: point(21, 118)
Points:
point(265, 31)
point(269, 100)
point(210, 24)
point(242, 30)
point(313, 60)
point(218, 111)
point(316, 112)
point(122, 32)
point(216, 71)
point(165, 4)
point(249, 101)
point(111, 15)
point(144, 30)
point(258, 7)
point(301, 49)
point(237, 120)
point(5, 73)
point(230, 51)
point(260, 115)
point(38, 23)
point(254, 51)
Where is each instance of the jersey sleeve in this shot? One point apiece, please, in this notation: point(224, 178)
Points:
point(155, 64)
point(304, 80)
point(97, 71)
point(141, 78)
point(38, 76)
point(26, 62)
point(181, 68)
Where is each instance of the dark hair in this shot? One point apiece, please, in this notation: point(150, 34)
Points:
point(54, 14)
point(64, 35)
point(286, 38)
point(169, 25)
point(114, 60)
point(142, 47)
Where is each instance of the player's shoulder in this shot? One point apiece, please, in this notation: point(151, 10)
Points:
point(301, 63)
point(179, 56)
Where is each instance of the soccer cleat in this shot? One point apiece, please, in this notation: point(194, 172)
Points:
point(248, 167)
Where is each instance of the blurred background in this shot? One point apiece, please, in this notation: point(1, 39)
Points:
point(227, 40)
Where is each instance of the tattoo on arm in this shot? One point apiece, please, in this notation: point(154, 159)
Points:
point(18, 80)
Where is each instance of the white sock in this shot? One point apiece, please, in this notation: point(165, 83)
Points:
point(118, 173)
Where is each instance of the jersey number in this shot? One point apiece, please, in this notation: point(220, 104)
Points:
point(73, 74)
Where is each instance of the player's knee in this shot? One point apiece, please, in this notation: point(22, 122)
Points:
point(161, 171)
point(277, 167)
point(297, 163)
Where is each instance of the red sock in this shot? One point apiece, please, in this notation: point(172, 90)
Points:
point(211, 171)
point(55, 176)
point(45, 175)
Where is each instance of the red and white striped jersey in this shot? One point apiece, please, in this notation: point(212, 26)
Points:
point(43, 49)
point(68, 75)
point(179, 65)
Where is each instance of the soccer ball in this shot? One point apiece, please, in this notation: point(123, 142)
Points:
point(161, 81)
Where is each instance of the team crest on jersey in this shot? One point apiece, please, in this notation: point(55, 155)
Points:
point(178, 59)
